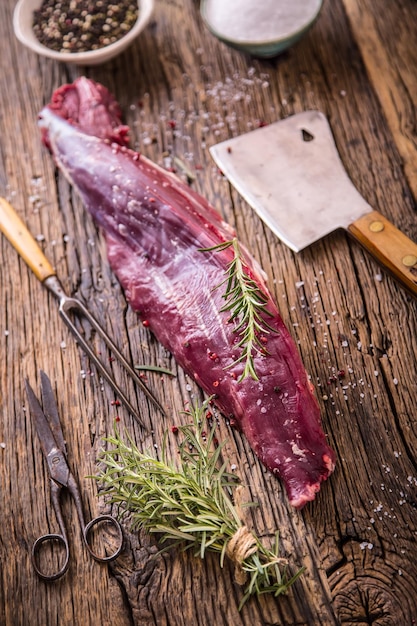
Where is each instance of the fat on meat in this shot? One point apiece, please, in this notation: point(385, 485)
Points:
point(157, 231)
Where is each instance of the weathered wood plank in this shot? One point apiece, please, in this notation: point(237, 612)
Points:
point(181, 90)
point(391, 62)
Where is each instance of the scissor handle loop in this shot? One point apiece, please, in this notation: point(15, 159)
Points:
point(36, 548)
point(87, 534)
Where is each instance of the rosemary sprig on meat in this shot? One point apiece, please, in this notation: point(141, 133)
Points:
point(190, 503)
point(247, 307)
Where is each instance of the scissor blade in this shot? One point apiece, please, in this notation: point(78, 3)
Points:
point(45, 435)
point(50, 410)
point(55, 458)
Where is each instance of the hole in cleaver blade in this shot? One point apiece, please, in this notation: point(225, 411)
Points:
point(307, 136)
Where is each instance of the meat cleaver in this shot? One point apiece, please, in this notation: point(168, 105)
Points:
point(291, 174)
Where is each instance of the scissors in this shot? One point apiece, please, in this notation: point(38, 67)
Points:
point(53, 446)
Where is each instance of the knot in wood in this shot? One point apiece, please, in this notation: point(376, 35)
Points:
point(239, 547)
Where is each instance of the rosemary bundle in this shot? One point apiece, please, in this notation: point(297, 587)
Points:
point(247, 307)
point(191, 504)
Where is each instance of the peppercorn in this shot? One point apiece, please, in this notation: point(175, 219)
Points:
point(83, 25)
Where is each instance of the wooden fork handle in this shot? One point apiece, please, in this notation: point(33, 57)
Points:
point(389, 246)
point(24, 243)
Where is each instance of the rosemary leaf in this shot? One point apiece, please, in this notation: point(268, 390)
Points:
point(246, 305)
point(189, 503)
point(154, 368)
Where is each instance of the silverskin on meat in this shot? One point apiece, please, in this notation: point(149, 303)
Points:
point(158, 232)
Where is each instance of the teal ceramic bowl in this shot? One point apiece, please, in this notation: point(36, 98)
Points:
point(262, 29)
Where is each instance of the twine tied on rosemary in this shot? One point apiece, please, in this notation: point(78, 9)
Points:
point(239, 548)
point(193, 503)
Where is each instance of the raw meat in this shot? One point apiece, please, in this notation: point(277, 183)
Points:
point(156, 227)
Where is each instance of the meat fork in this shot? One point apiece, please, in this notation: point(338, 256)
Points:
point(19, 236)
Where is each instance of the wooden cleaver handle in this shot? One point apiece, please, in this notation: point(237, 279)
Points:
point(390, 247)
point(16, 232)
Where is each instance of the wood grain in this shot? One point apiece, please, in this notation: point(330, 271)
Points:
point(181, 90)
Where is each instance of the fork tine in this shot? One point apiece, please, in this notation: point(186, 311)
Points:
point(93, 357)
point(68, 304)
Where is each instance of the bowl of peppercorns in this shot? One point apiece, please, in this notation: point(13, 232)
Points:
point(82, 32)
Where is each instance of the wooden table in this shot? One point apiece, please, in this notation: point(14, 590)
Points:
point(181, 91)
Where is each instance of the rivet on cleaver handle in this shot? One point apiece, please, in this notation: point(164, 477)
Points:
point(291, 174)
point(23, 242)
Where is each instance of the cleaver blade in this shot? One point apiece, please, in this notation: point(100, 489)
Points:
point(291, 174)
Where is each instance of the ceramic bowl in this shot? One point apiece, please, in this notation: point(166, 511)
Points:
point(22, 24)
point(281, 33)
